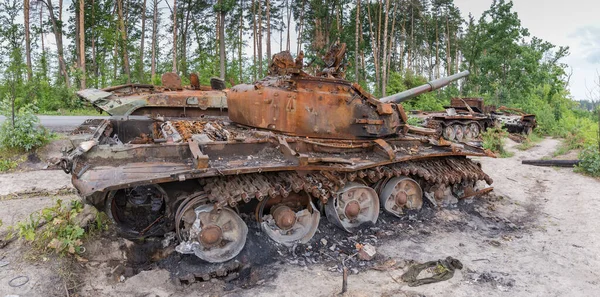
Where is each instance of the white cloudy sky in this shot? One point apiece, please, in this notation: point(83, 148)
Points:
point(573, 23)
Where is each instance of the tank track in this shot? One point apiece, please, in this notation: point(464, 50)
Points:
point(232, 190)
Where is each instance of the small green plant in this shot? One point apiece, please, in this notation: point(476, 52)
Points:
point(493, 140)
point(26, 133)
point(589, 161)
point(415, 121)
point(60, 233)
point(6, 165)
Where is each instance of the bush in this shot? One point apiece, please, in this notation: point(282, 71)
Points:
point(589, 161)
point(493, 140)
point(26, 134)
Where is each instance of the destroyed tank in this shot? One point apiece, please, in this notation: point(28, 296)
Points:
point(466, 118)
point(463, 121)
point(514, 120)
point(293, 147)
point(170, 99)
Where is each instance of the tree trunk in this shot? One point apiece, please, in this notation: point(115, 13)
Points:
point(184, 35)
point(356, 44)
point(59, 44)
point(93, 39)
point(42, 29)
point(141, 62)
point(448, 55)
point(241, 42)
point(268, 31)
point(409, 64)
point(82, 43)
point(301, 27)
point(254, 39)
point(260, 53)
point(222, 56)
point(154, 32)
point(385, 38)
point(375, 47)
point(175, 36)
point(123, 40)
point(27, 39)
point(289, 18)
point(391, 41)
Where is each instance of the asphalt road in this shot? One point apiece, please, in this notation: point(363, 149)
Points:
point(61, 123)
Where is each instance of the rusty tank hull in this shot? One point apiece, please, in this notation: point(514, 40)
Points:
point(284, 157)
point(171, 99)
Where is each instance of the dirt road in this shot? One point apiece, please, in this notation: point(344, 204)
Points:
point(535, 236)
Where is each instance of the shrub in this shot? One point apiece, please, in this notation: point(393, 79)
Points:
point(26, 134)
point(589, 161)
point(493, 140)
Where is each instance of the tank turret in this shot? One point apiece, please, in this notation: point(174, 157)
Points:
point(324, 106)
point(428, 87)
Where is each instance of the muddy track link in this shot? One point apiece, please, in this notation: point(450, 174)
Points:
point(232, 190)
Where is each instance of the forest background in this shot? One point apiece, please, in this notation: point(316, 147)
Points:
point(392, 46)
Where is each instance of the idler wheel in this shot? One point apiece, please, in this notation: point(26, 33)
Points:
point(352, 206)
point(186, 215)
point(401, 193)
point(288, 220)
point(449, 133)
point(459, 132)
point(216, 235)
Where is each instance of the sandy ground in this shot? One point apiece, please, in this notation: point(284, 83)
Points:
point(550, 249)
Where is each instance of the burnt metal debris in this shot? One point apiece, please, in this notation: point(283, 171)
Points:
point(293, 147)
point(466, 118)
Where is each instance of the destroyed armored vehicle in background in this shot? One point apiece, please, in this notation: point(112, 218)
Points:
point(170, 99)
point(292, 147)
point(514, 120)
point(466, 118)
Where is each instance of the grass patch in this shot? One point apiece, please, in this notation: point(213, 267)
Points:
point(573, 141)
point(86, 111)
point(10, 159)
point(529, 142)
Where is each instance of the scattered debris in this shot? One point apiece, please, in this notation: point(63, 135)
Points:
point(18, 281)
point(443, 270)
point(366, 252)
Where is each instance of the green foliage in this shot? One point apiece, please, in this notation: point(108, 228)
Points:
point(25, 134)
point(415, 121)
point(572, 141)
point(6, 164)
point(493, 140)
point(589, 161)
point(60, 234)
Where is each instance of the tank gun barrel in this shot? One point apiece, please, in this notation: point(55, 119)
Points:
point(428, 87)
